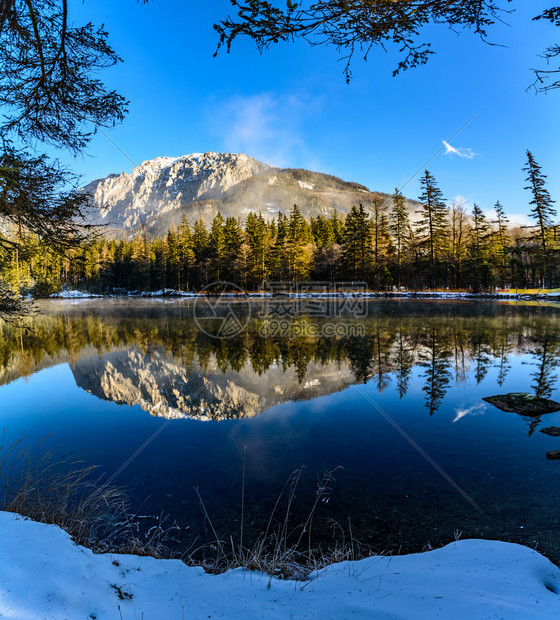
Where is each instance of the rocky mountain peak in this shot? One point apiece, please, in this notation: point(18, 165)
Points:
point(165, 184)
point(157, 193)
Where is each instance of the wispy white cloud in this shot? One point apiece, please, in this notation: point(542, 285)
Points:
point(465, 153)
point(266, 126)
point(515, 219)
point(477, 409)
point(460, 201)
point(520, 219)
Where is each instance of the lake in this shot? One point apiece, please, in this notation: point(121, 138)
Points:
point(388, 399)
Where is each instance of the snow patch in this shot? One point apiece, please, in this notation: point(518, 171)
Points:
point(74, 295)
point(305, 185)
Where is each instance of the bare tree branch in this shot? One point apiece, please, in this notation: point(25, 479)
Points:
point(47, 68)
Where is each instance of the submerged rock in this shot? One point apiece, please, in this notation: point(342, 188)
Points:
point(524, 404)
point(551, 430)
point(553, 455)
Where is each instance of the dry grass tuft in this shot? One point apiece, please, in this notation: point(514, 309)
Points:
point(58, 490)
point(282, 550)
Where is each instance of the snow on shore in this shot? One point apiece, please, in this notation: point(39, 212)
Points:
point(71, 294)
point(163, 293)
point(44, 575)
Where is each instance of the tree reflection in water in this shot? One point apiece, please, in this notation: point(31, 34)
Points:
point(445, 340)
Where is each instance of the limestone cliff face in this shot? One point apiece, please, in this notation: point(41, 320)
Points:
point(159, 385)
point(166, 184)
point(156, 194)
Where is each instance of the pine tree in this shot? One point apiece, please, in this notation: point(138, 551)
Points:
point(357, 244)
point(186, 254)
point(258, 240)
point(480, 269)
point(141, 263)
point(233, 243)
point(432, 227)
point(400, 227)
point(158, 264)
point(200, 246)
point(201, 241)
point(216, 247)
point(480, 227)
point(326, 234)
point(381, 241)
point(277, 256)
point(542, 212)
point(378, 209)
point(322, 231)
point(172, 277)
point(501, 241)
point(337, 226)
point(297, 241)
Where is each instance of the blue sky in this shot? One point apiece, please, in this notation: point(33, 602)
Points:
point(291, 106)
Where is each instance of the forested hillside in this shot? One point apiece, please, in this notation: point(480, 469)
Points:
point(378, 243)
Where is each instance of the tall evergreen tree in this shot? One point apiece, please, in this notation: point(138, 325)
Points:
point(200, 240)
point(322, 231)
point(258, 240)
point(432, 227)
point(400, 227)
point(326, 237)
point(542, 212)
point(357, 244)
point(479, 266)
point(141, 258)
point(201, 249)
point(173, 270)
point(233, 255)
point(337, 226)
point(480, 227)
point(185, 248)
point(297, 242)
point(501, 241)
point(217, 247)
point(158, 264)
point(381, 242)
point(277, 256)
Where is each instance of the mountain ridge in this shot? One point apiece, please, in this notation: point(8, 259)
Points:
point(157, 193)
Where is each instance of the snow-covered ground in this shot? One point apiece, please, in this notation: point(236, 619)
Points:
point(43, 575)
point(71, 294)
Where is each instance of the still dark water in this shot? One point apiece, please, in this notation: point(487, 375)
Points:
point(140, 384)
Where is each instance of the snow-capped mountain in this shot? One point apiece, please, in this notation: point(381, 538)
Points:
point(157, 193)
point(166, 184)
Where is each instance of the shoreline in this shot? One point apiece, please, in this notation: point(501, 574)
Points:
point(287, 295)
